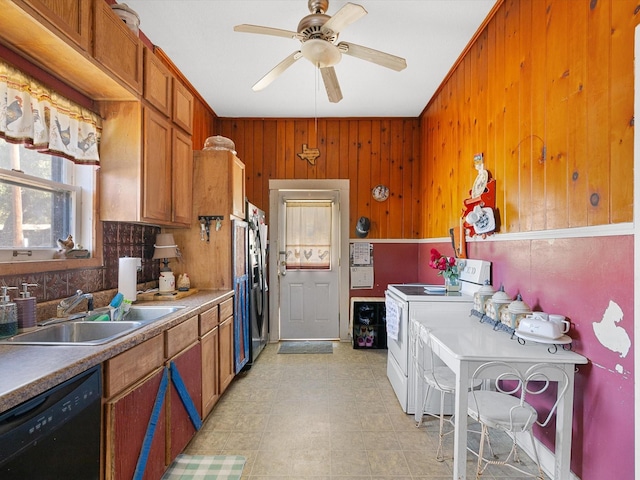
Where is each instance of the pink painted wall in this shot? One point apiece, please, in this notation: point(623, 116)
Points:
point(578, 278)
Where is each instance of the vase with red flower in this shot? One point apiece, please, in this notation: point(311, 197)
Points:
point(448, 268)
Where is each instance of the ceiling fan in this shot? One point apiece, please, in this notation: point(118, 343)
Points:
point(318, 34)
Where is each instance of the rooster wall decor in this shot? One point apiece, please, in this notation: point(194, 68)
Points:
point(14, 110)
point(65, 135)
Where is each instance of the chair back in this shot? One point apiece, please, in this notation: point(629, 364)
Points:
point(534, 381)
point(426, 364)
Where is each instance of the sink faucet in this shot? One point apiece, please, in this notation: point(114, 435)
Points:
point(68, 304)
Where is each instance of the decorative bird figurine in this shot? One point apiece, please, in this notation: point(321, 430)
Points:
point(65, 135)
point(14, 110)
point(67, 244)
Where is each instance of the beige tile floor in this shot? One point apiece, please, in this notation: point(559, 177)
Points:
point(326, 417)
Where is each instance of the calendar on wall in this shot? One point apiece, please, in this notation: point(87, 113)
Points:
point(361, 265)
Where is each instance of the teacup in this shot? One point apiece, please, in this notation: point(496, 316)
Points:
point(561, 321)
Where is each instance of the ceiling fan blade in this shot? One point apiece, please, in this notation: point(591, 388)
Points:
point(370, 55)
point(276, 32)
point(343, 18)
point(331, 84)
point(277, 71)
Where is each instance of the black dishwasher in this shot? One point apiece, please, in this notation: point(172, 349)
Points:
point(55, 435)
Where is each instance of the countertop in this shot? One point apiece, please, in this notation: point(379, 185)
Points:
point(28, 370)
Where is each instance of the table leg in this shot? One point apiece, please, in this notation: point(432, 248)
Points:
point(564, 423)
point(460, 433)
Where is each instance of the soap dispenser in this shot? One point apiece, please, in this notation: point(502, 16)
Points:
point(8, 314)
point(26, 309)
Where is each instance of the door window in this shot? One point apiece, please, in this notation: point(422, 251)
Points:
point(308, 235)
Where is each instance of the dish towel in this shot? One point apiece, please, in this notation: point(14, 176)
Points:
point(393, 319)
point(210, 467)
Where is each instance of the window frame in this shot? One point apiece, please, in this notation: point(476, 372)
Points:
point(91, 226)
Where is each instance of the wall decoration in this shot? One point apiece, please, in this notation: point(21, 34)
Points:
point(380, 193)
point(309, 154)
point(478, 215)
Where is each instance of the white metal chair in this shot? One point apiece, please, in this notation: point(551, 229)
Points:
point(436, 378)
point(503, 410)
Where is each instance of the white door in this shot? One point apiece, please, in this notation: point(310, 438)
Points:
point(308, 260)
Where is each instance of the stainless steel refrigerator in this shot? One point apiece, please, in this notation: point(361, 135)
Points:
point(258, 289)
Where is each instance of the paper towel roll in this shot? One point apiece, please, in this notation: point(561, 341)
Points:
point(128, 276)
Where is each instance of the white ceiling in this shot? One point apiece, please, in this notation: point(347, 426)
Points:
point(223, 65)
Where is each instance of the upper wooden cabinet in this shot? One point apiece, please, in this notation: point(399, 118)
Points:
point(156, 169)
point(116, 46)
point(146, 167)
point(167, 93)
point(182, 178)
point(71, 17)
point(157, 83)
point(57, 35)
point(238, 189)
point(182, 106)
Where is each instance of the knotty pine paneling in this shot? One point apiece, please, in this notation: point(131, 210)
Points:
point(367, 151)
point(546, 92)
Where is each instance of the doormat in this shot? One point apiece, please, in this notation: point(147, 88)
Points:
point(306, 347)
point(211, 467)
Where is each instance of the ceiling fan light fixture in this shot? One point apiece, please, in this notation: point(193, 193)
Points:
point(321, 53)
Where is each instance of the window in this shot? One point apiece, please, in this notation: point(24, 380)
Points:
point(308, 225)
point(43, 198)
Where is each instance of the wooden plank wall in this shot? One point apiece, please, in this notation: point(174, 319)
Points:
point(546, 93)
point(367, 151)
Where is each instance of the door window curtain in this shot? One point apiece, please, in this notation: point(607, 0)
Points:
point(308, 235)
point(39, 118)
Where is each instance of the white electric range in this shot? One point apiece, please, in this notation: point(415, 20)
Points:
point(406, 302)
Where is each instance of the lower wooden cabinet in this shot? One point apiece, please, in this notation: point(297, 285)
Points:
point(210, 366)
point(227, 368)
point(126, 421)
point(188, 364)
point(201, 352)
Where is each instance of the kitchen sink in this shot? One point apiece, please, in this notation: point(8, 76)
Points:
point(149, 313)
point(74, 333)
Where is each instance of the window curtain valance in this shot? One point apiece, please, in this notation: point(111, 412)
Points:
point(308, 235)
point(33, 114)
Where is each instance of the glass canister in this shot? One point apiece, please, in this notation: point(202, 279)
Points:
point(517, 311)
point(218, 142)
point(496, 302)
point(8, 314)
point(128, 16)
point(481, 296)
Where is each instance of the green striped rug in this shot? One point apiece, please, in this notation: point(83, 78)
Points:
point(209, 467)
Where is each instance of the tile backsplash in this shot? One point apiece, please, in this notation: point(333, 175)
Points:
point(119, 240)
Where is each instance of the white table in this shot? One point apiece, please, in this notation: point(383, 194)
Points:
point(467, 344)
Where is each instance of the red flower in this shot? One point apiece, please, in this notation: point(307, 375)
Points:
point(447, 266)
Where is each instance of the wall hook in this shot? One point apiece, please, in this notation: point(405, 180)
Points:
point(205, 225)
